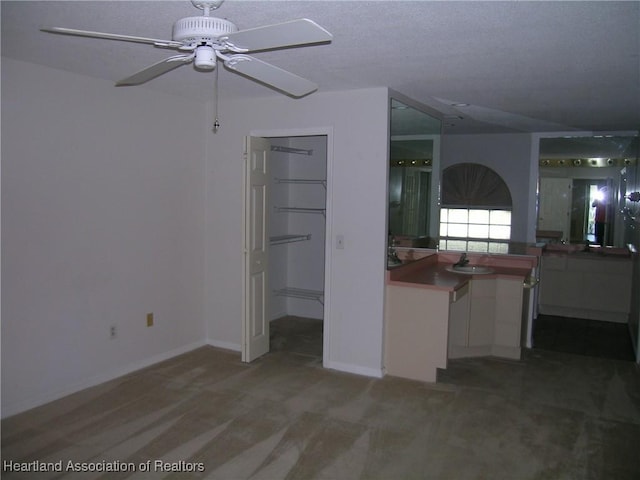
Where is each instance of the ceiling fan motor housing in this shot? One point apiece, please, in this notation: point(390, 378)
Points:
point(201, 30)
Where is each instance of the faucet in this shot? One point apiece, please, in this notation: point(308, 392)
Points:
point(392, 255)
point(463, 260)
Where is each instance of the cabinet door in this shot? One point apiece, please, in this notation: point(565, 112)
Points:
point(459, 322)
point(416, 329)
point(555, 205)
point(508, 312)
point(483, 305)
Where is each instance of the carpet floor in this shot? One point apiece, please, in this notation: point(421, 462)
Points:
point(205, 414)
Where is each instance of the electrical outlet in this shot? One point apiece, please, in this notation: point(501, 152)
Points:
point(113, 332)
point(149, 319)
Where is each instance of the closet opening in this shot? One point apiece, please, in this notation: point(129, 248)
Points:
point(286, 225)
point(297, 226)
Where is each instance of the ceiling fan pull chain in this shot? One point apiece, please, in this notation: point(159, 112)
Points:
point(216, 123)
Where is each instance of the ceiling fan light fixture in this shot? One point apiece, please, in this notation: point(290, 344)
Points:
point(205, 58)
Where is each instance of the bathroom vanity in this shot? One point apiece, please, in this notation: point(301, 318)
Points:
point(592, 283)
point(435, 311)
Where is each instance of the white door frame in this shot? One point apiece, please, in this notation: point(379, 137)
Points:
point(328, 246)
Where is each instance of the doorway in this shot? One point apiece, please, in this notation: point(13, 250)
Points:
point(554, 207)
point(290, 308)
point(589, 211)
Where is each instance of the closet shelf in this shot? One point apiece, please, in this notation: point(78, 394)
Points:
point(299, 151)
point(303, 181)
point(301, 293)
point(280, 239)
point(300, 210)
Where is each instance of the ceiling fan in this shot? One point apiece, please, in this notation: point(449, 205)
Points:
point(205, 39)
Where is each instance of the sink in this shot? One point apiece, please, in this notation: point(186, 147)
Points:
point(470, 269)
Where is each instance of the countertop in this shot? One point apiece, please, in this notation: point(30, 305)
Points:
point(591, 252)
point(431, 271)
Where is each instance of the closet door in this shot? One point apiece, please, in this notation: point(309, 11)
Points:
point(255, 325)
point(555, 205)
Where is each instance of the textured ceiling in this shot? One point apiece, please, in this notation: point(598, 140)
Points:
point(521, 66)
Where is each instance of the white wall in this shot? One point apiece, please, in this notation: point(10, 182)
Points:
point(509, 155)
point(357, 179)
point(102, 212)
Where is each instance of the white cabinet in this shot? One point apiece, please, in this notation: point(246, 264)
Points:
point(432, 314)
point(425, 327)
point(482, 312)
point(586, 285)
point(417, 322)
point(459, 319)
point(508, 318)
point(493, 320)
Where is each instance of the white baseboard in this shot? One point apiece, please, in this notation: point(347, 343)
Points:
point(29, 403)
point(459, 351)
point(357, 369)
point(278, 315)
point(236, 347)
point(501, 351)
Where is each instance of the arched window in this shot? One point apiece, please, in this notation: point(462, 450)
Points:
point(476, 206)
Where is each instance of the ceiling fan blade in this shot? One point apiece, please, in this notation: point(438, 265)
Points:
point(270, 75)
point(112, 36)
point(155, 70)
point(287, 34)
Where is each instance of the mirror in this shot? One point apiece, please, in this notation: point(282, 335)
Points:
point(583, 188)
point(413, 177)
